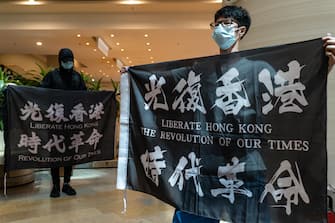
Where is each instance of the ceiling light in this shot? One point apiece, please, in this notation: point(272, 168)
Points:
point(107, 61)
point(148, 44)
point(151, 58)
point(95, 50)
point(102, 46)
point(30, 2)
point(103, 58)
point(117, 44)
point(112, 35)
point(122, 50)
point(78, 35)
point(149, 50)
point(87, 43)
point(132, 2)
point(146, 35)
point(39, 43)
point(214, 1)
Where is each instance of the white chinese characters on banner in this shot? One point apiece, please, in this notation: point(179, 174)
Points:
point(78, 112)
point(96, 111)
point(287, 187)
point(288, 90)
point(32, 111)
point(231, 95)
point(232, 185)
point(193, 172)
point(55, 113)
point(229, 100)
point(153, 163)
point(77, 141)
point(31, 142)
point(94, 138)
point(155, 90)
point(57, 142)
point(189, 98)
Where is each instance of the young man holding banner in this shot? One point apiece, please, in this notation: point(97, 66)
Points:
point(229, 27)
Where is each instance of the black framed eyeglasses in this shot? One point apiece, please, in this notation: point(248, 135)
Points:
point(224, 22)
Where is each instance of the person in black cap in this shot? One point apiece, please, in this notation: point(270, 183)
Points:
point(65, 78)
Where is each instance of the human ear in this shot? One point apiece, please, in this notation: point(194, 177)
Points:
point(242, 31)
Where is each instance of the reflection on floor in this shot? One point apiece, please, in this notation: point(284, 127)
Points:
point(97, 201)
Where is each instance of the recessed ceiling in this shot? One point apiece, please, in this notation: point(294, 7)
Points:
point(175, 30)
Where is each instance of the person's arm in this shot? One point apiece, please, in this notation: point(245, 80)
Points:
point(124, 69)
point(47, 80)
point(82, 83)
point(329, 44)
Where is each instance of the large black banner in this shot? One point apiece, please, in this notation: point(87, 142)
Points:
point(48, 127)
point(238, 137)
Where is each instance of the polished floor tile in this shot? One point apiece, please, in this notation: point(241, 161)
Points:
point(97, 201)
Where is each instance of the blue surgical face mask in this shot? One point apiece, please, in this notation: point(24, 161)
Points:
point(224, 36)
point(67, 65)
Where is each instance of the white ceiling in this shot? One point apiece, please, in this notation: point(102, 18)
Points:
point(176, 30)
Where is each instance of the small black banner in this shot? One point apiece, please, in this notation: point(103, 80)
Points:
point(49, 128)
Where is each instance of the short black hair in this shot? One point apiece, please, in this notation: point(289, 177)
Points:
point(238, 13)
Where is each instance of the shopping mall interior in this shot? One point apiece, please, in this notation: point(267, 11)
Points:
point(107, 35)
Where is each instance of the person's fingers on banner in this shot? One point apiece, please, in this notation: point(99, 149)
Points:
point(124, 69)
point(329, 44)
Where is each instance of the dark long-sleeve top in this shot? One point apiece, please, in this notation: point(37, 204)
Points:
point(56, 79)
